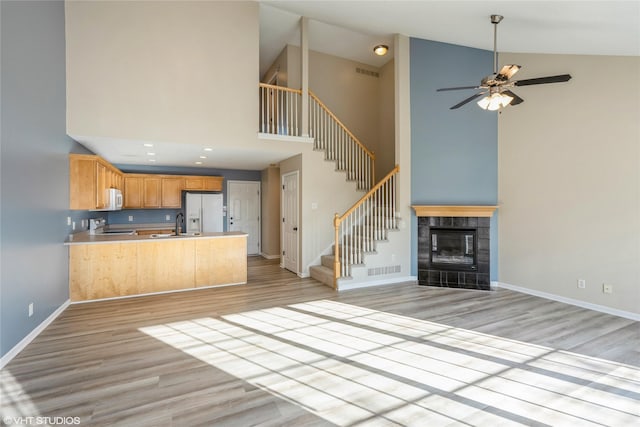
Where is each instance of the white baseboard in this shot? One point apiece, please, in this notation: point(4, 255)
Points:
point(26, 340)
point(346, 286)
point(596, 307)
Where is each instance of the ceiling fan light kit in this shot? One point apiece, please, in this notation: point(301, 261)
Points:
point(496, 88)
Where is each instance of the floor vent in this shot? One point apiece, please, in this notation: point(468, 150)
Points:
point(367, 72)
point(379, 271)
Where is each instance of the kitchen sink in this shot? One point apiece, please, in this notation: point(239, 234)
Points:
point(165, 235)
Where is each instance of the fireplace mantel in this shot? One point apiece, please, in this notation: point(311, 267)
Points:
point(454, 211)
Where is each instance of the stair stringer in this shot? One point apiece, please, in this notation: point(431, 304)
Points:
point(381, 267)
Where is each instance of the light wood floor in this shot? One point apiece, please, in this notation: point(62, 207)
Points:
point(285, 351)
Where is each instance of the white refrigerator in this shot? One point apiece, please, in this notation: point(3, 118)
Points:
point(204, 213)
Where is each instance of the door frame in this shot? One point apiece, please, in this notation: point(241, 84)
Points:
point(229, 182)
point(282, 203)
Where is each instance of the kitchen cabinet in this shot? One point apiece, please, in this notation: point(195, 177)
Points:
point(142, 265)
point(203, 183)
point(172, 192)
point(89, 178)
point(151, 190)
point(133, 191)
point(143, 191)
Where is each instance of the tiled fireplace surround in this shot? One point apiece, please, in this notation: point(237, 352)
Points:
point(454, 218)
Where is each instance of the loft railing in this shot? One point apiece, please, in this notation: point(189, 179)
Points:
point(281, 112)
point(366, 221)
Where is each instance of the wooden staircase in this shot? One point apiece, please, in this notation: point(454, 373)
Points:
point(367, 223)
point(359, 231)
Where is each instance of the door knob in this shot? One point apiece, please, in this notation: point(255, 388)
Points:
point(295, 228)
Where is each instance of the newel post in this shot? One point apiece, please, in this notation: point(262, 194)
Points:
point(336, 251)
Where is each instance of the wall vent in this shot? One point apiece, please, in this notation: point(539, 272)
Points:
point(367, 72)
point(380, 271)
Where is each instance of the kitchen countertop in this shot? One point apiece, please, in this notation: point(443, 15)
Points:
point(84, 238)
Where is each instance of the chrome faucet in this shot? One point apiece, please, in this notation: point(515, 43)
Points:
point(179, 220)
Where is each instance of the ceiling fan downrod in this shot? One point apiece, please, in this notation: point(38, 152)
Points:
point(495, 20)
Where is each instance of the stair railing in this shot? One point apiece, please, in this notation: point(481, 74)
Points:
point(332, 136)
point(362, 224)
point(280, 114)
point(280, 110)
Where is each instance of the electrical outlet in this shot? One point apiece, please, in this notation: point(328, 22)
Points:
point(68, 220)
point(582, 283)
point(607, 289)
point(130, 218)
point(167, 217)
point(30, 309)
point(73, 225)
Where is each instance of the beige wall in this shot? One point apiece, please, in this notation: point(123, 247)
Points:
point(270, 228)
point(354, 98)
point(385, 150)
point(569, 180)
point(163, 71)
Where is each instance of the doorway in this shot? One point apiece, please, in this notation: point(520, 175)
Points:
point(243, 201)
point(290, 185)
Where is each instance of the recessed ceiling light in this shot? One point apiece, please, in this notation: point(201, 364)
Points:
point(208, 149)
point(203, 157)
point(198, 163)
point(151, 154)
point(148, 144)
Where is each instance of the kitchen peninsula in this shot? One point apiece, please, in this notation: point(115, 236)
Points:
point(108, 266)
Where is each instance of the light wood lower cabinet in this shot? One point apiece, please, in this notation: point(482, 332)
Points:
point(165, 266)
point(108, 270)
point(218, 263)
point(102, 271)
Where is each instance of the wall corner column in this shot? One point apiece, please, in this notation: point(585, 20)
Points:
point(304, 78)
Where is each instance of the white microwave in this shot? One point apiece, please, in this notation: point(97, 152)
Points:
point(113, 198)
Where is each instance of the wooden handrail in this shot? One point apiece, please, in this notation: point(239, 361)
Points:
point(281, 88)
point(333, 116)
point(339, 218)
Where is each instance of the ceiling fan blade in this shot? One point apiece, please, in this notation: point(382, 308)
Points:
point(507, 72)
point(516, 99)
point(542, 80)
point(457, 88)
point(469, 99)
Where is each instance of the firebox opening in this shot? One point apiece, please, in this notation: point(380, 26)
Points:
point(453, 248)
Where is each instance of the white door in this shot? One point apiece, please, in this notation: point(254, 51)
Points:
point(290, 221)
point(243, 211)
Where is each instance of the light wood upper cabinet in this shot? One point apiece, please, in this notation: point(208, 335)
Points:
point(172, 192)
point(203, 183)
point(212, 183)
point(133, 191)
point(89, 178)
point(152, 195)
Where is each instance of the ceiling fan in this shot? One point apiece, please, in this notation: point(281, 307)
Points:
point(496, 87)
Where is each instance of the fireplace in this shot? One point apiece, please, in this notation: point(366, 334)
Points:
point(453, 246)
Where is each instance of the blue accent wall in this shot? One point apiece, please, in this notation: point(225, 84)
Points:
point(34, 167)
point(454, 153)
